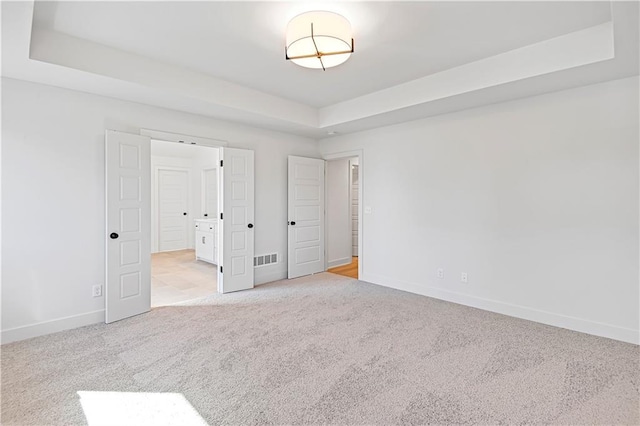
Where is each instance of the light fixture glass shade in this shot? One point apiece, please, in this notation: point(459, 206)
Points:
point(319, 39)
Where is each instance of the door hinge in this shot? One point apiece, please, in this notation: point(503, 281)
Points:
point(221, 216)
point(221, 163)
point(221, 269)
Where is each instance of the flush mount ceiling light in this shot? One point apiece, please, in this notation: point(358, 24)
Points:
point(319, 39)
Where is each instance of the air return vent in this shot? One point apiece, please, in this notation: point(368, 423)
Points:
point(265, 259)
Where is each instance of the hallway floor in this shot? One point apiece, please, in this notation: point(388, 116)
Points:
point(176, 276)
point(350, 270)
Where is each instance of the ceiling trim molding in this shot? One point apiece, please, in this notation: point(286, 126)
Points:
point(600, 53)
point(572, 50)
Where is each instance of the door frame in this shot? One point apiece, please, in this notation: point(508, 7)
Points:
point(155, 205)
point(356, 153)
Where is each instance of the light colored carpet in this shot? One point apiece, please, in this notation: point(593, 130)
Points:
point(326, 349)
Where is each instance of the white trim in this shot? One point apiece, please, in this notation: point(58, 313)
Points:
point(52, 326)
point(326, 224)
point(359, 153)
point(339, 262)
point(518, 311)
point(186, 139)
point(343, 154)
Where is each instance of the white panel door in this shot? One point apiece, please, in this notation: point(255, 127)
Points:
point(128, 236)
point(173, 203)
point(210, 187)
point(306, 216)
point(236, 227)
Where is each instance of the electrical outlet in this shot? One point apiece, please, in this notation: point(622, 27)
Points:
point(463, 277)
point(97, 290)
point(440, 273)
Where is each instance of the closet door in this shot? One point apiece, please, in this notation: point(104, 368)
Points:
point(306, 216)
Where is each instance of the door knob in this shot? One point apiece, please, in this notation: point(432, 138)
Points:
point(205, 215)
point(113, 235)
point(250, 225)
point(184, 214)
point(293, 222)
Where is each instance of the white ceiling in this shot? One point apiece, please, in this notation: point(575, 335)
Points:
point(412, 59)
point(243, 42)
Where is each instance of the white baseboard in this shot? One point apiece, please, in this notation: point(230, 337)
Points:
point(263, 276)
point(53, 326)
point(558, 320)
point(572, 323)
point(339, 262)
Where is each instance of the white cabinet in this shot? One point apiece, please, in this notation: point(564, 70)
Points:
point(207, 240)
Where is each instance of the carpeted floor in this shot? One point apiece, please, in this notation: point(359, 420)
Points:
point(328, 349)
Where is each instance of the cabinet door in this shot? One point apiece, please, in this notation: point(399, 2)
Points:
point(208, 246)
point(200, 244)
point(204, 246)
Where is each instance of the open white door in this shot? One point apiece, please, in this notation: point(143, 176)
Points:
point(235, 237)
point(128, 236)
point(306, 216)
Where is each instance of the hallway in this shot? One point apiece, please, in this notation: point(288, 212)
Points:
point(350, 270)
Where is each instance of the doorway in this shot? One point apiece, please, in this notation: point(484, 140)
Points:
point(343, 233)
point(184, 188)
point(128, 201)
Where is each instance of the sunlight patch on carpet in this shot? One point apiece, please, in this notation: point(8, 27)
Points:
point(138, 408)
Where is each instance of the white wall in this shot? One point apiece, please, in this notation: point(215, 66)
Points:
point(536, 199)
point(338, 207)
point(53, 197)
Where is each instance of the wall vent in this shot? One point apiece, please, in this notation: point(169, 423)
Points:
point(265, 259)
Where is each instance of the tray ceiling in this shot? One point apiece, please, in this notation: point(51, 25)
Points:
point(412, 59)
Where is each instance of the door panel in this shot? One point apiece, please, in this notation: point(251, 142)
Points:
point(236, 233)
point(128, 209)
point(173, 202)
point(306, 216)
